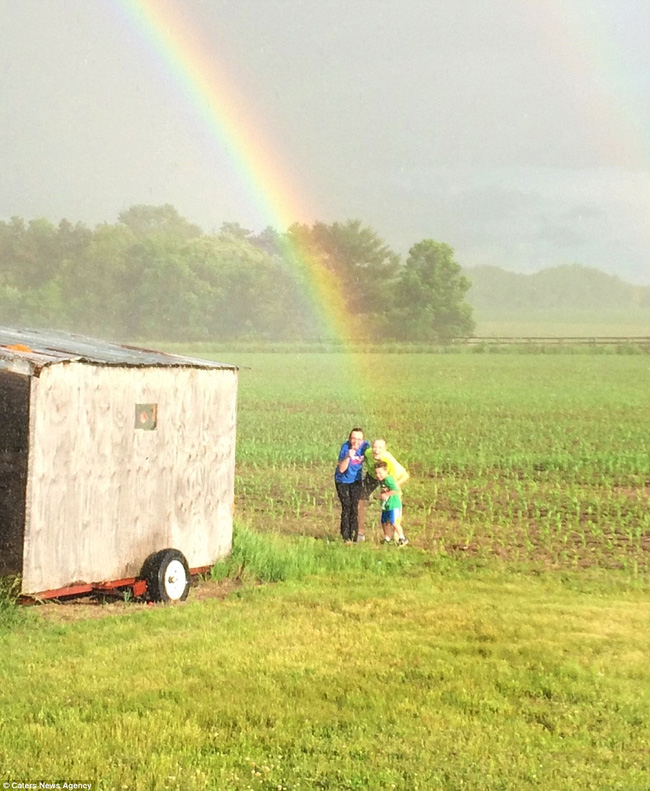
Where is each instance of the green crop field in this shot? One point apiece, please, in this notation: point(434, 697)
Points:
point(505, 649)
point(533, 458)
point(563, 323)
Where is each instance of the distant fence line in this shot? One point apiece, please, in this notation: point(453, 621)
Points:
point(599, 340)
point(599, 343)
point(493, 340)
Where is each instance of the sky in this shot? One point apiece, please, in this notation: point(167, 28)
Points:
point(517, 131)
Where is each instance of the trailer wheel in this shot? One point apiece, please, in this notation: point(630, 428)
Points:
point(168, 576)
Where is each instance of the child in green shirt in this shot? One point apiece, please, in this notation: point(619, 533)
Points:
point(391, 510)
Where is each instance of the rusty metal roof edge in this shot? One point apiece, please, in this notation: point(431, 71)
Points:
point(39, 348)
point(195, 362)
point(16, 365)
point(183, 362)
point(29, 367)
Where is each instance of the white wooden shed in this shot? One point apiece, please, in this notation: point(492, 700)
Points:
point(108, 455)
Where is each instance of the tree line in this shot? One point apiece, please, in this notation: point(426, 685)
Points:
point(568, 288)
point(155, 275)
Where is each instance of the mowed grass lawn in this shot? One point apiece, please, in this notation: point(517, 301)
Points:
point(433, 679)
point(506, 648)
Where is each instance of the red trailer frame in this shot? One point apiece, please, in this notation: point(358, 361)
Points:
point(138, 586)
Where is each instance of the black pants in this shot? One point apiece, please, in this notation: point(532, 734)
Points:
point(349, 494)
point(369, 486)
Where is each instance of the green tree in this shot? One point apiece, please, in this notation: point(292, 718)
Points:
point(72, 240)
point(12, 305)
point(241, 290)
point(94, 282)
point(430, 295)
point(158, 291)
point(31, 261)
point(366, 268)
point(43, 306)
point(234, 229)
point(28, 252)
point(269, 240)
point(147, 221)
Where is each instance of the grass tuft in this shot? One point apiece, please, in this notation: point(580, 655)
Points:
point(272, 557)
point(10, 611)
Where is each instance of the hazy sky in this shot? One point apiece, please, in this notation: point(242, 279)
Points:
point(518, 131)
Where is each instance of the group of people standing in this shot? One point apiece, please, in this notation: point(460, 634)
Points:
point(361, 469)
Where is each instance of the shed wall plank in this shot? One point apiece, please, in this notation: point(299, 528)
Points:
point(103, 495)
point(14, 433)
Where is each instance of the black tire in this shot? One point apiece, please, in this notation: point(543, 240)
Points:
point(167, 574)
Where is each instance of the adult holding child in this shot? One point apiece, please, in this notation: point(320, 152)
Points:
point(348, 482)
point(374, 454)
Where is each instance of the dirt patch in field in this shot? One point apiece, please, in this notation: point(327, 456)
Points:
point(85, 607)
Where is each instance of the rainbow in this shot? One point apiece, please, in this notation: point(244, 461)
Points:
point(212, 96)
point(583, 39)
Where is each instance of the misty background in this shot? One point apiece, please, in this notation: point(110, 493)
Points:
point(516, 132)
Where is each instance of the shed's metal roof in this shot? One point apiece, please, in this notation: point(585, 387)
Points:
point(27, 351)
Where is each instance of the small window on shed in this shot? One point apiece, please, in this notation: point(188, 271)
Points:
point(146, 416)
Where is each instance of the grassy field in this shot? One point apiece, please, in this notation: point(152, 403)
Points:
point(532, 458)
point(608, 323)
point(430, 678)
point(506, 648)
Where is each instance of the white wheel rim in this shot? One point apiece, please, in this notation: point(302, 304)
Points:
point(175, 580)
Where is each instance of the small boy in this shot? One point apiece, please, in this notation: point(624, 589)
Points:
point(391, 510)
